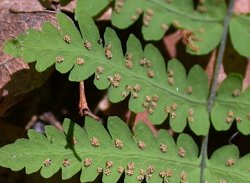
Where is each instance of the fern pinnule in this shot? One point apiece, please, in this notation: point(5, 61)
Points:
point(232, 105)
point(73, 150)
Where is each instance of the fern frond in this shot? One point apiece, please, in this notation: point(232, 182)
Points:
point(140, 156)
point(240, 34)
point(95, 151)
point(140, 74)
point(232, 105)
point(205, 23)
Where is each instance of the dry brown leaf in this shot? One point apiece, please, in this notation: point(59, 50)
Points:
point(17, 77)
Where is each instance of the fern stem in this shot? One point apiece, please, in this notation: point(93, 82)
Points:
point(83, 105)
point(219, 58)
point(213, 88)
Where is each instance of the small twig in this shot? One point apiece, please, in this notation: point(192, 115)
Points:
point(83, 106)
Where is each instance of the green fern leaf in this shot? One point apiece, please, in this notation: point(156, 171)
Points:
point(205, 22)
point(95, 151)
point(240, 34)
point(226, 166)
point(232, 105)
point(140, 74)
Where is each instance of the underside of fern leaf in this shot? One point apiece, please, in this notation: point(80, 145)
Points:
point(226, 166)
point(232, 104)
point(204, 23)
point(93, 150)
point(139, 74)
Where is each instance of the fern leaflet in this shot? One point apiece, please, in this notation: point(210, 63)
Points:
point(204, 24)
point(94, 152)
point(226, 166)
point(232, 105)
point(140, 156)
